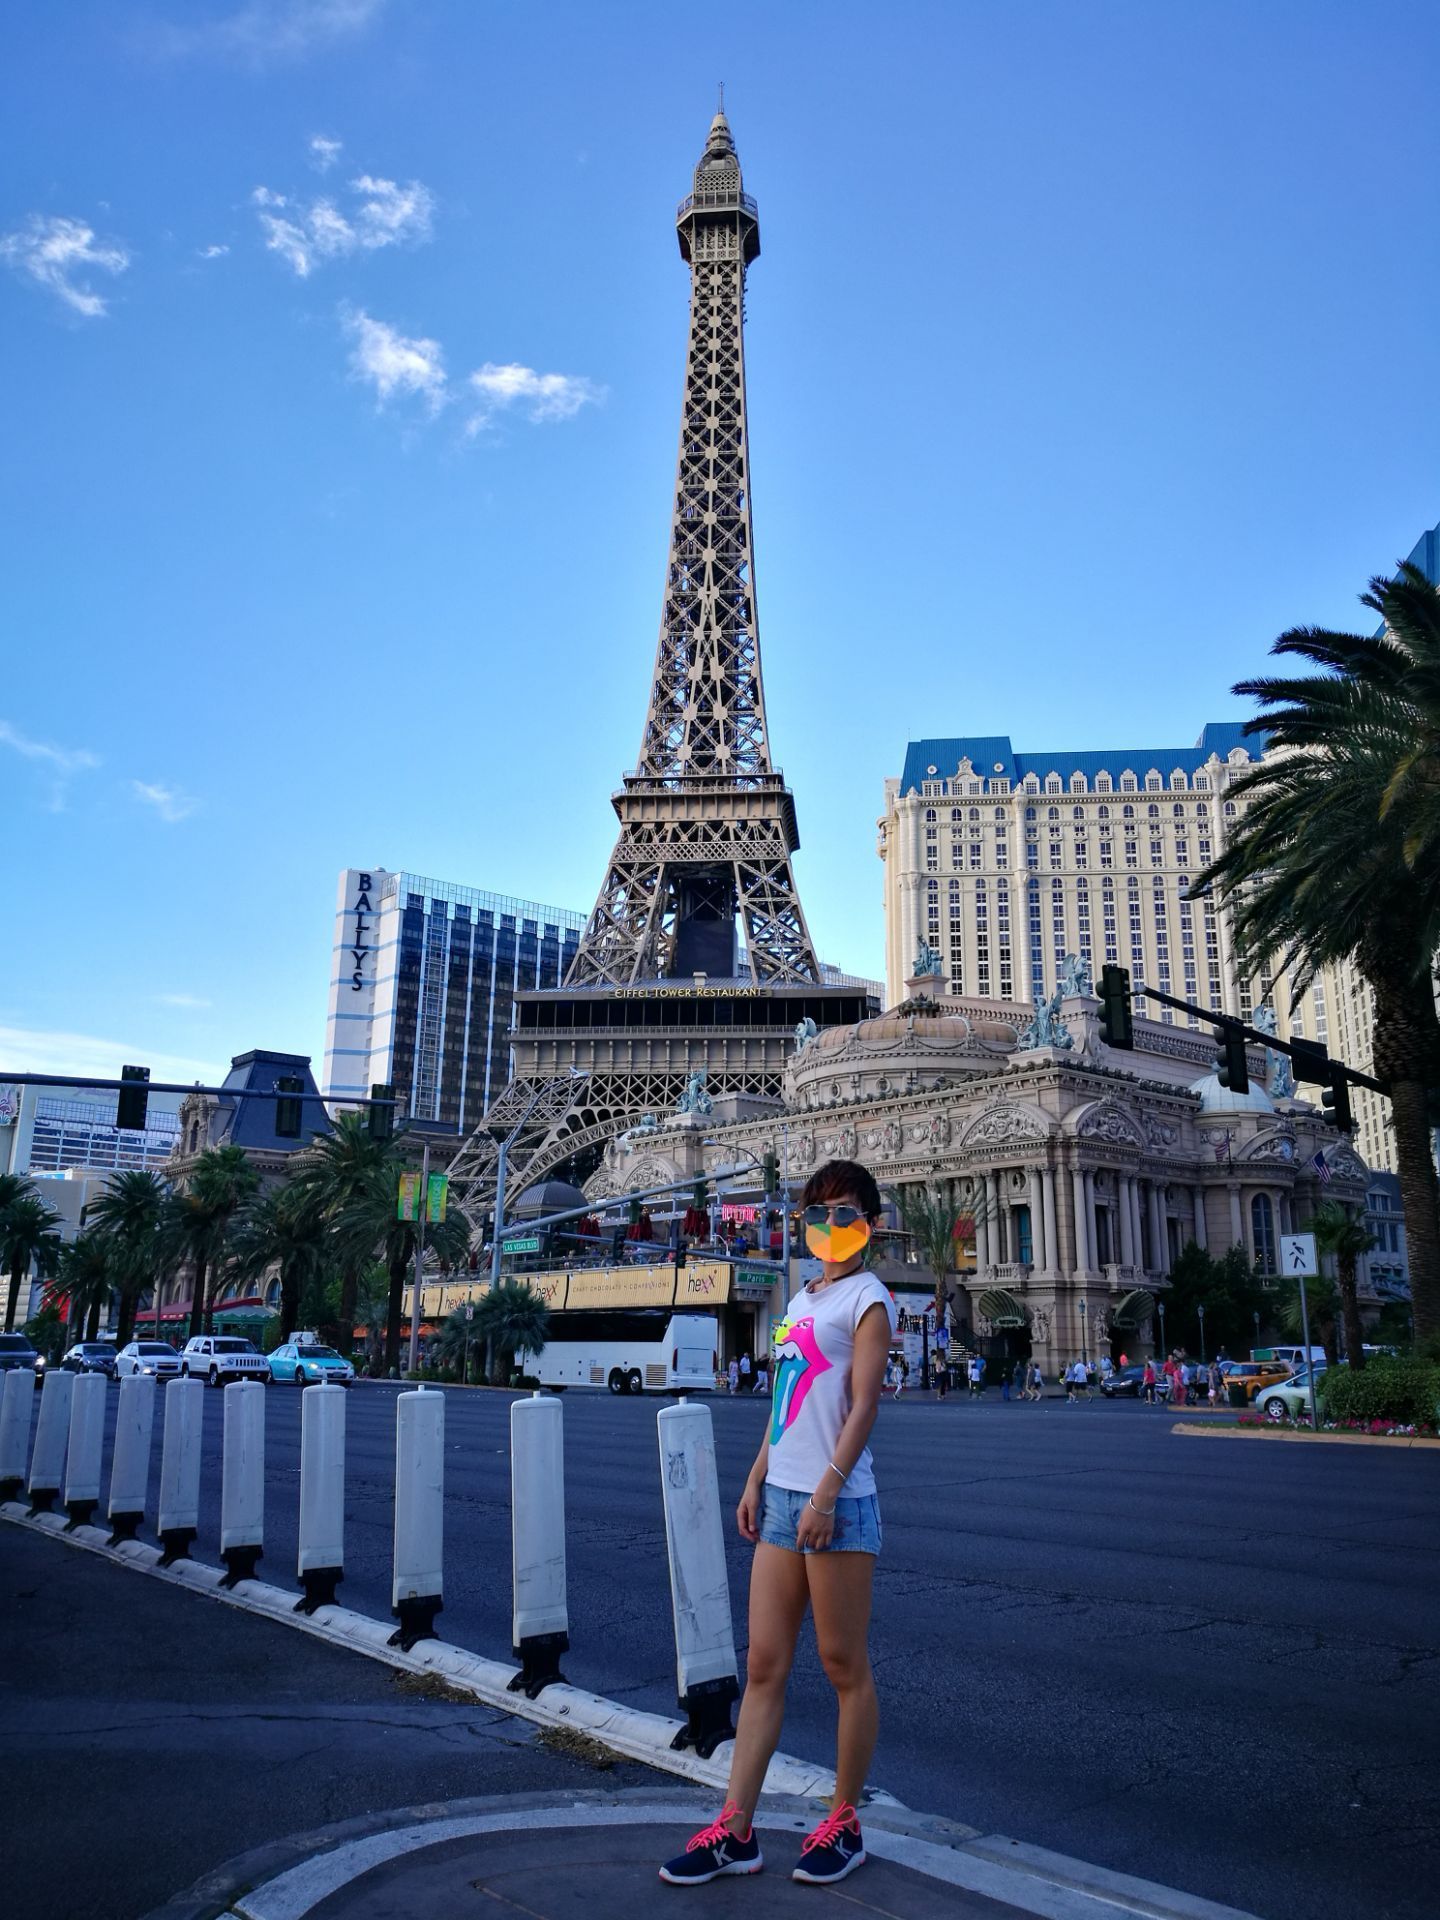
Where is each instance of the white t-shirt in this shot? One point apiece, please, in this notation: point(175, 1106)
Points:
point(814, 1351)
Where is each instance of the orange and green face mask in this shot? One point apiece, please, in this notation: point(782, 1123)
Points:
point(836, 1234)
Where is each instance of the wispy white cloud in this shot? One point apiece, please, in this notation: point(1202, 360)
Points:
point(324, 152)
point(212, 253)
point(540, 396)
point(61, 763)
point(60, 254)
point(51, 1050)
point(188, 1002)
point(393, 363)
point(382, 214)
point(262, 32)
point(169, 802)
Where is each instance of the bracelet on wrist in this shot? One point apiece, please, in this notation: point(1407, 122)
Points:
point(843, 1476)
point(825, 1512)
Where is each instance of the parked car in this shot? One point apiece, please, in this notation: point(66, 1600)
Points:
point(217, 1357)
point(16, 1351)
point(90, 1356)
point(148, 1356)
point(1127, 1381)
point(1288, 1399)
point(309, 1364)
point(1254, 1375)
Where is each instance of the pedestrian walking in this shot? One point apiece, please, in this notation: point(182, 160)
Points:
point(942, 1374)
point(894, 1378)
point(1147, 1382)
point(1037, 1382)
point(810, 1509)
point(1217, 1384)
point(977, 1374)
point(747, 1373)
point(732, 1375)
point(762, 1374)
point(1005, 1385)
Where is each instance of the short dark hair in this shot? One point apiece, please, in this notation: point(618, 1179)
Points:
point(836, 1179)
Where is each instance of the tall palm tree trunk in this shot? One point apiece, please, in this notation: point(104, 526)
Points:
point(1407, 1055)
point(349, 1287)
point(1350, 1310)
point(398, 1270)
point(13, 1298)
point(198, 1291)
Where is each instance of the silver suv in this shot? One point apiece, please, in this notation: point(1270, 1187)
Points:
point(217, 1357)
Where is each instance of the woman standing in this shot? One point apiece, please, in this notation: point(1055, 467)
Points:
point(810, 1507)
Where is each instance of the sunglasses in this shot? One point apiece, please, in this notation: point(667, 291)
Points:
point(841, 1216)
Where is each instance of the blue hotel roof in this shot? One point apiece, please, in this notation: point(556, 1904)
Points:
point(992, 756)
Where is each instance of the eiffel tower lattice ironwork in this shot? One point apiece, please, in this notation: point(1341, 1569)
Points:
point(659, 987)
point(707, 825)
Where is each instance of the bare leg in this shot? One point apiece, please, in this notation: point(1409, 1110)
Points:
point(840, 1590)
point(779, 1596)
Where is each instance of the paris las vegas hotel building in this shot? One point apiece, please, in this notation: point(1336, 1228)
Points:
point(1004, 862)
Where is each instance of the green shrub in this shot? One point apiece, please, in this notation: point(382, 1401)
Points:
point(1406, 1392)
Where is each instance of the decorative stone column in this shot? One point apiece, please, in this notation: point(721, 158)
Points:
point(999, 1252)
point(1197, 1200)
point(1125, 1213)
point(1037, 1219)
point(1092, 1228)
point(1158, 1262)
point(1135, 1205)
point(1082, 1221)
point(1237, 1219)
point(982, 1239)
point(1052, 1221)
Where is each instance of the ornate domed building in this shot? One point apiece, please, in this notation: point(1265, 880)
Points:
point(1085, 1170)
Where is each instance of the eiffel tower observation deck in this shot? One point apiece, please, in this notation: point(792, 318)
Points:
point(696, 958)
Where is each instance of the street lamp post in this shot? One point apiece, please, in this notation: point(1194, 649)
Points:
point(785, 1203)
point(1160, 1309)
point(1084, 1344)
point(1256, 1318)
point(1200, 1310)
point(420, 1213)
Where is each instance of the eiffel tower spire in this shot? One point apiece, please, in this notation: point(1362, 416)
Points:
point(707, 825)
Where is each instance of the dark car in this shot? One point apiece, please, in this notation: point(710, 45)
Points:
point(16, 1351)
point(1126, 1381)
point(91, 1356)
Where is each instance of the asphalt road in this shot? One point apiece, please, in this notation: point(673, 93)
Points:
point(1213, 1663)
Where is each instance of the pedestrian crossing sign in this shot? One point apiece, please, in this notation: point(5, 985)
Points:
point(1297, 1255)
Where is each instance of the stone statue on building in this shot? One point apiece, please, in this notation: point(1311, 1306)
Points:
point(1279, 1077)
point(805, 1032)
point(695, 1099)
point(1045, 1028)
point(1077, 982)
point(927, 961)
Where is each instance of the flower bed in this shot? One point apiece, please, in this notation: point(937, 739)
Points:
point(1423, 1429)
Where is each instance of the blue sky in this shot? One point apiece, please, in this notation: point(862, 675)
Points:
point(1090, 347)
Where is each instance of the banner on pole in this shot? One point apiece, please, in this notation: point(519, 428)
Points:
point(435, 1199)
point(408, 1205)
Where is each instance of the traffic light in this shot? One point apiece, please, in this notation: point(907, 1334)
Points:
point(1336, 1100)
point(381, 1119)
point(1117, 1027)
point(1232, 1069)
point(132, 1101)
point(287, 1108)
point(1309, 1061)
point(771, 1169)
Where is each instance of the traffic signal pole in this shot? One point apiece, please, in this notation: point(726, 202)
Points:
point(1314, 1063)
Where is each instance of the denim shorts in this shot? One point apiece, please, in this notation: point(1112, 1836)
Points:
point(857, 1522)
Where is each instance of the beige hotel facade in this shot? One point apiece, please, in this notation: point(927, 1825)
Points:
point(1003, 862)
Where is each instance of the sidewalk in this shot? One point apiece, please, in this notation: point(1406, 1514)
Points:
point(222, 1767)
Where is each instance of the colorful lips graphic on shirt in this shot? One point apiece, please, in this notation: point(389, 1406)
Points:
point(798, 1365)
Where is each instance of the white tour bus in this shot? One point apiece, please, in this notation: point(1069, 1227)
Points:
point(627, 1349)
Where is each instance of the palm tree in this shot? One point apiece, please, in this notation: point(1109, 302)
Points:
point(14, 1187)
point(932, 1216)
point(137, 1215)
point(220, 1183)
point(456, 1340)
point(337, 1170)
point(512, 1317)
point(86, 1278)
point(366, 1227)
point(1322, 1299)
point(1337, 857)
point(1340, 1233)
point(283, 1229)
point(29, 1236)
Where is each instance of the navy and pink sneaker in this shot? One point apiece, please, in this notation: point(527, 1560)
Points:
point(832, 1850)
point(713, 1851)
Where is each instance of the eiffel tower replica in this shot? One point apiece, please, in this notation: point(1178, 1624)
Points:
point(696, 958)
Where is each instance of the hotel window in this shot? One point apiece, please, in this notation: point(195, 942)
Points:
point(1262, 1230)
point(1152, 783)
point(1102, 783)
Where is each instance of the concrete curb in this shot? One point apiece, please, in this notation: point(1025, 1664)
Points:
point(627, 1730)
point(288, 1878)
point(1308, 1439)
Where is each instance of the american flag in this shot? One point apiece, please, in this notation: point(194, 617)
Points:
point(1323, 1171)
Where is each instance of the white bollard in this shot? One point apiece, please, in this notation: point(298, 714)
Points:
point(242, 1486)
point(179, 1520)
point(52, 1430)
point(418, 1584)
point(537, 1529)
point(707, 1674)
point(321, 1563)
point(87, 1440)
point(130, 1462)
point(17, 1403)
